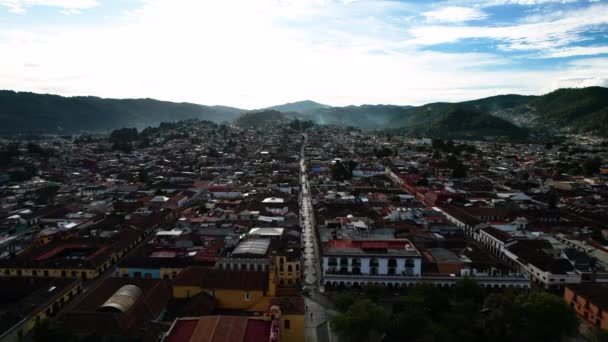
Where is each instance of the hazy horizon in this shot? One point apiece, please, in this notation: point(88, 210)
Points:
point(257, 54)
point(272, 105)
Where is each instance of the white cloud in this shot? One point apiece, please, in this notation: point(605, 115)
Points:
point(540, 35)
point(576, 51)
point(524, 2)
point(256, 54)
point(68, 6)
point(455, 14)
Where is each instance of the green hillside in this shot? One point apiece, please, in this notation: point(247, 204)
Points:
point(22, 112)
point(299, 107)
point(583, 110)
point(459, 121)
point(260, 119)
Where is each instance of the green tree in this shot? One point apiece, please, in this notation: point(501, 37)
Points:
point(599, 335)
point(46, 194)
point(124, 135)
point(364, 321)
point(468, 289)
point(344, 300)
point(546, 317)
point(502, 319)
point(460, 171)
point(591, 166)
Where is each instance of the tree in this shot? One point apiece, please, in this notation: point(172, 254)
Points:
point(344, 300)
point(547, 317)
point(409, 322)
point(437, 143)
point(452, 162)
point(460, 171)
point(124, 135)
point(423, 182)
point(143, 175)
point(340, 172)
point(363, 321)
point(123, 146)
point(591, 166)
point(552, 199)
point(383, 152)
point(468, 289)
point(599, 335)
point(46, 194)
point(501, 318)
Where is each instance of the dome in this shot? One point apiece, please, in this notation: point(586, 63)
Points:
point(123, 299)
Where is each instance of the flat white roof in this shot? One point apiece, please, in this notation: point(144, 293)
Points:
point(174, 232)
point(266, 231)
point(273, 200)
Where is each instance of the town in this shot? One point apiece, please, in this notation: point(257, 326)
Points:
point(199, 231)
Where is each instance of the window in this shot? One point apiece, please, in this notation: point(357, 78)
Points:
point(7, 272)
point(287, 324)
point(289, 268)
point(247, 296)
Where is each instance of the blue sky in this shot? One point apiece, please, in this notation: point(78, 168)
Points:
point(257, 53)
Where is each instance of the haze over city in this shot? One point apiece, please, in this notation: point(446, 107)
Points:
point(254, 54)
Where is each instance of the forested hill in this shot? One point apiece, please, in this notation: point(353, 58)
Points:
point(583, 110)
point(24, 112)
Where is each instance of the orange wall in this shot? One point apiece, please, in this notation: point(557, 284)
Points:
point(587, 311)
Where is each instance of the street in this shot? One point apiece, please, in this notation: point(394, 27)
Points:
point(318, 307)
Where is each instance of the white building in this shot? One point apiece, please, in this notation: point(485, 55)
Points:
point(362, 262)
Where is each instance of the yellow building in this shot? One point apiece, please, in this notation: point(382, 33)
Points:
point(292, 317)
point(233, 290)
point(82, 258)
point(288, 271)
point(31, 301)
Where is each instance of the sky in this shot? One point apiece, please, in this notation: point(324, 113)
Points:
point(258, 53)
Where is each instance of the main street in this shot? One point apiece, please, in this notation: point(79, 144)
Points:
point(318, 307)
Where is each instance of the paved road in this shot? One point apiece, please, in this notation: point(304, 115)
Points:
point(312, 267)
point(319, 309)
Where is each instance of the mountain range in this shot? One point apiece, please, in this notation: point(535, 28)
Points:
point(581, 110)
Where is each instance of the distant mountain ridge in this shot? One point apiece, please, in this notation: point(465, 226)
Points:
point(299, 107)
point(583, 110)
point(24, 112)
